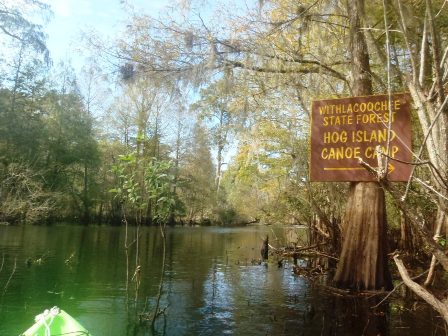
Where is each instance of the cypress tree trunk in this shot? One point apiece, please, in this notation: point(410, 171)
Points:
point(407, 238)
point(363, 260)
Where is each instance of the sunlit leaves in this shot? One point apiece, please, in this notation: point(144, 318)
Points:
point(140, 187)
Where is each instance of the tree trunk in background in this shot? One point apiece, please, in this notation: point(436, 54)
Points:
point(85, 197)
point(407, 238)
point(363, 259)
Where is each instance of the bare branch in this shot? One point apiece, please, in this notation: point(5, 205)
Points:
point(423, 52)
point(303, 70)
point(428, 131)
point(435, 52)
point(407, 42)
point(441, 8)
point(431, 188)
point(438, 305)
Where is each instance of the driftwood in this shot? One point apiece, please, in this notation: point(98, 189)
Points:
point(305, 251)
point(290, 251)
point(353, 293)
point(306, 248)
point(315, 254)
point(308, 271)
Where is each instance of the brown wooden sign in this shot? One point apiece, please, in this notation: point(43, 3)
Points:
point(347, 129)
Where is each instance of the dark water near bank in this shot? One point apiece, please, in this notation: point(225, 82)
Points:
point(211, 286)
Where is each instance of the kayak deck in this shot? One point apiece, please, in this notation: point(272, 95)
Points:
point(55, 322)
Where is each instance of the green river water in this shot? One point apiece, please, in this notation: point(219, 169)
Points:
point(211, 286)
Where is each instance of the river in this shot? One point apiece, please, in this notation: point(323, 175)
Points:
point(213, 285)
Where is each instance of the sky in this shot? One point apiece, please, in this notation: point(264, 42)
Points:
point(71, 17)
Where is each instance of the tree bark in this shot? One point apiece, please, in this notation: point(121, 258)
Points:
point(363, 261)
point(407, 239)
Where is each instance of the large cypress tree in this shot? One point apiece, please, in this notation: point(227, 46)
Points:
point(363, 259)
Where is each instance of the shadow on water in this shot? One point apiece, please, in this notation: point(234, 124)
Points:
point(214, 284)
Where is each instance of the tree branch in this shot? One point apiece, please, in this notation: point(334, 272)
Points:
point(408, 44)
point(303, 70)
point(438, 305)
point(435, 52)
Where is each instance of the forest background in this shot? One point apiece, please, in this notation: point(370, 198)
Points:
point(202, 118)
point(63, 132)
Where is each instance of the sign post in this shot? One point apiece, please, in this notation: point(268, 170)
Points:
point(348, 129)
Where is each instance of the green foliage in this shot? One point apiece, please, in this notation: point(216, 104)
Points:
point(197, 188)
point(50, 132)
point(266, 180)
point(153, 191)
point(264, 73)
point(159, 184)
point(442, 241)
point(227, 216)
point(128, 189)
point(23, 197)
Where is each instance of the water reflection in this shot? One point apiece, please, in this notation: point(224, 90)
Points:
point(212, 286)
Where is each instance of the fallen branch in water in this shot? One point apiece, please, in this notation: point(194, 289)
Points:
point(396, 287)
point(419, 290)
point(273, 247)
point(319, 254)
point(301, 249)
point(296, 252)
point(295, 249)
point(354, 293)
